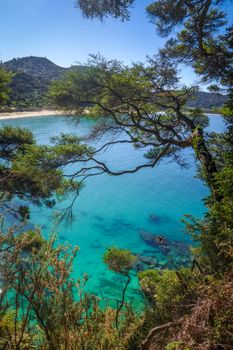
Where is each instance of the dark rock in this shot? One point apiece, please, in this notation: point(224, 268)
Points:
point(152, 239)
point(144, 262)
point(148, 260)
point(121, 225)
point(109, 230)
point(96, 245)
point(62, 238)
point(98, 217)
point(149, 252)
point(138, 266)
point(83, 213)
point(154, 218)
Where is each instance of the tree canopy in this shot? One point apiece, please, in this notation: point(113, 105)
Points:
point(5, 78)
point(34, 172)
point(203, 39)
point(101, 9)
point(145, 103)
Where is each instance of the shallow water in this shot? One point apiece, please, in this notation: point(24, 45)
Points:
point(112, 210)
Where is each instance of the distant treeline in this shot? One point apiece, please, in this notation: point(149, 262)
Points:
point(33, 76)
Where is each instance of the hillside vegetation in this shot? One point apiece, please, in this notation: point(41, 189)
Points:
point(34, 75)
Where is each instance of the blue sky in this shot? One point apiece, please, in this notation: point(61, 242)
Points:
point(57, 30)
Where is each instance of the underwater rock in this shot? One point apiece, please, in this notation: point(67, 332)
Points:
point(153, 240)
point(163, 263)
point(159, 219)
point(98, 218)
point(148, 260)
point(148, 237)
point(122, 224)
point(166, 253)
point(154, 218)
point(83, 213)
point(112, 284)
point(148, 252)
point(108, 230)
point(62, 238)
point(113, 228)
point(144, 262)
point(96, 245)
point(176, 250)
point(138, 266)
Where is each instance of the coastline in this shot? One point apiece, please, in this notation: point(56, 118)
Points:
point(41, 113)
point(48, 112)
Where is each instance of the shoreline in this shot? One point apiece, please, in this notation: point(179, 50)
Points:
point(45, 113)
point(41, 113)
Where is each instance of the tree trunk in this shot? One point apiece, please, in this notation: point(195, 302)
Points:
point(208, 165)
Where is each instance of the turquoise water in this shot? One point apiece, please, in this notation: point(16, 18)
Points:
point(112, 210)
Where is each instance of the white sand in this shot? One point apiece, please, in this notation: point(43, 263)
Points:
point(41, 113)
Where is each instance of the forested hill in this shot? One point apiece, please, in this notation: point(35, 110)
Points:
point(207, 100)
point(33, 75)
point(36, 67)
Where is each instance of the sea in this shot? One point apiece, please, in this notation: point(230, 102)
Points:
point(123, 211)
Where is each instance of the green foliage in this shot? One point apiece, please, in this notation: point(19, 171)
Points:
point(119, 260)
point(149, 280)
point(35, 66)
point(30, 240)
point(169, 291)
point(13, 140)
point(5, 79)
point(215, 231)
point(35, 172)
point(175, 345)
point(204, 40)
point(31, 80)
point(24, 212)
point(101, 9)
point(33, 76)
point(47, 308)
point(170, 288)
point(27, 91)
point(131, 99)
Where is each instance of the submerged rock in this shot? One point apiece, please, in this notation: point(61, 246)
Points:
point(96, 245)
point(177, 251)
point(149, 252)
point(144, 262)
point(154, 218)
point(153, 240)
point(98, 218)
point(62, 238)
point(83, 213)
point(148, 260)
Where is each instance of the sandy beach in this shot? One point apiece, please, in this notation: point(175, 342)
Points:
point(41, 113)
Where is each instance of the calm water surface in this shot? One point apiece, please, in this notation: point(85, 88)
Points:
point(112, 210)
